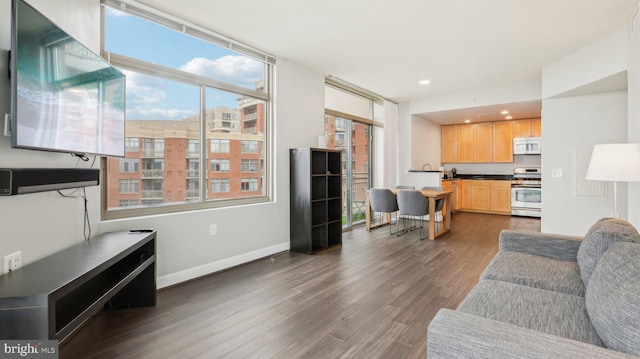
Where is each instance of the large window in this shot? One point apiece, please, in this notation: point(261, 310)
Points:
point(197, 108)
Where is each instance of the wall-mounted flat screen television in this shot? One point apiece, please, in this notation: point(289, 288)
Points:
point(64, 97)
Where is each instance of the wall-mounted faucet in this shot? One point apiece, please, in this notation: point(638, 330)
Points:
point(426, 167)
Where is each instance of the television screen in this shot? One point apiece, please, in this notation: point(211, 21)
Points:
point(64, 97)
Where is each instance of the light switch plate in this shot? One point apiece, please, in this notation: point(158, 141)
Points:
point(557, 173)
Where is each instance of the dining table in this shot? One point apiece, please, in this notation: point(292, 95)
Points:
point(432, 195)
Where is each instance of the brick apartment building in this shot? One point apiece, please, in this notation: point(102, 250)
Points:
point(162, 159)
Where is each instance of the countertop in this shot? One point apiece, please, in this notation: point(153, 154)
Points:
point(425, 171)
point(480, 177)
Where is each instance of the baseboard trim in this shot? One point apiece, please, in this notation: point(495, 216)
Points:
point(213, 267)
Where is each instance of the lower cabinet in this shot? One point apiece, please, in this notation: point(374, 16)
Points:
point(486, 196)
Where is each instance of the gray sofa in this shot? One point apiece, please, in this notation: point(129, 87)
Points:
point(550, 296)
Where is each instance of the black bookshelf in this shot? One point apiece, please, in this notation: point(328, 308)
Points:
point(316, 199)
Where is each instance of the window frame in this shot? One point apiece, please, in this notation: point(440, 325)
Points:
point(267, 154)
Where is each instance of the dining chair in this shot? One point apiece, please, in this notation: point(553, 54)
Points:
point(384, 201)
point(400, 186)
point(439, 202)
point(412, 205)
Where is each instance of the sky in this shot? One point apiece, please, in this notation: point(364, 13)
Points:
point(153, 98)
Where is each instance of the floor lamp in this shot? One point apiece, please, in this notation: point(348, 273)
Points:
point(616, 162)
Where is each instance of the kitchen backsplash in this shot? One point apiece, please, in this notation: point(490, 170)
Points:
point(495, 168)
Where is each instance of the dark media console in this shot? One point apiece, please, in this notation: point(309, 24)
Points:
point(52, 297)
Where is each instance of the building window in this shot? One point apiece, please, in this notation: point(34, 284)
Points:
point(249, 166)
point(202, 88)
point(219, 185)
point(219, 165)
point(249, 184)
point(219, 146)
point(128, 165)
point(128, 186)
point(249, 146)
point(132, 144)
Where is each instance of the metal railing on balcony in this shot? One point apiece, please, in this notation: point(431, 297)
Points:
point(359, 188)
point(153, 173)
point(152, 193)
point(193, 173)
point(150, 152)
point(193, 193)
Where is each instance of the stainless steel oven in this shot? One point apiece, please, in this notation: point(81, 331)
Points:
point(526, 192)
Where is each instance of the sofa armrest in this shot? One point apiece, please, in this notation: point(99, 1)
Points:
point(553, 246)
point(454, 334)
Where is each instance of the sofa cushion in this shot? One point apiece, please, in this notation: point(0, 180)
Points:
point(533, 308)
point(597, 241)
point(613, 298)
point(535, 271)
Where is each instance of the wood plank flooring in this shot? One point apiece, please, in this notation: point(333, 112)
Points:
point(372, 297)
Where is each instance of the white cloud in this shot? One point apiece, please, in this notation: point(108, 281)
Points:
point(238, 70)
point(145, 97)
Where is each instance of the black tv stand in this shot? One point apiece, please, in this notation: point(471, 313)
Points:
point(52, 297)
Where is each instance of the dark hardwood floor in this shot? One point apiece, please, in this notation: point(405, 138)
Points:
point(372, 297)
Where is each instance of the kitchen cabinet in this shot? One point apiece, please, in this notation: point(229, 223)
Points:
point(449, 140)
point(451, 185)
point(483, 142)
point(465, 138)
point(485, 196)
point(464, 194)
point(531, 127)
point(500, 197)
point(503, 141)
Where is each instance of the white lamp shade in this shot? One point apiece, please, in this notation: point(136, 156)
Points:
point(615, 162)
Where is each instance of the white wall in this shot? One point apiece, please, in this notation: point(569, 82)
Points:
point(633, 125)
point(425, 143)
point(575, 124)
point(43, 223)
point(40, 224)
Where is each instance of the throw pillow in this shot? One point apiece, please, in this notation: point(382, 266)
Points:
point(612, 298)
point(598, 239)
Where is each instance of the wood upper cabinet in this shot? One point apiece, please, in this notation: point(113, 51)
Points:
point(536, 127)
point(503, 141)
point(483, 142)
point(449, 144)
point(465, 143)
point(527, 128)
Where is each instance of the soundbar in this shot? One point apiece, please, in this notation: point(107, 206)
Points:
point(29, 180)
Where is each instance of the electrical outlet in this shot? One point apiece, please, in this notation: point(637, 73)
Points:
point(557, 173)
point(213, 229)
point(12, 261)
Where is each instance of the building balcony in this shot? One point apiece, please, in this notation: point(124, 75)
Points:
point(152, 193)
point(149, 152)
point(153, 173)
point(193, 173)
point(193, 193)
point(250, 130)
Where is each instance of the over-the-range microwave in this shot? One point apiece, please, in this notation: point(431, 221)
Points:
point(527, 146)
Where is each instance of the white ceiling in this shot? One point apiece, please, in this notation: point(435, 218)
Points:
point(388, 46)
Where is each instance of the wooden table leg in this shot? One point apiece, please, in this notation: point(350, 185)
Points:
point(432, 218)
point(367, 216)
point(447, 218)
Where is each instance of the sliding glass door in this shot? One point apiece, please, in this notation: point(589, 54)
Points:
point(354, 139)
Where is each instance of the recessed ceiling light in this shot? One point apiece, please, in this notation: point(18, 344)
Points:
point(424, 82)
point(467, 121)
point(509, 117)
point(504, 112)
